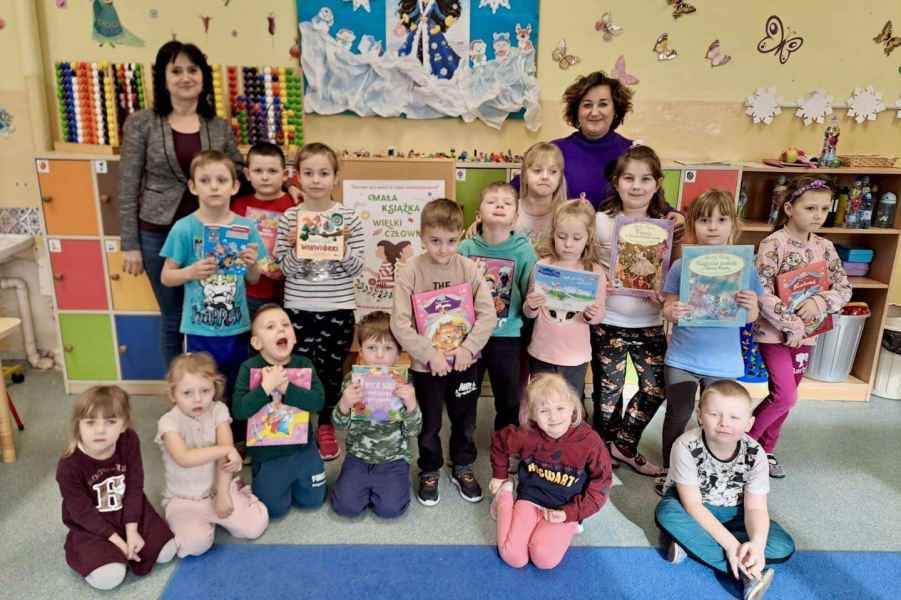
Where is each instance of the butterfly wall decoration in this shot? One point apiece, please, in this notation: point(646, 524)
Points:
point(715, 55)
point(886, 38)
point(562, 56)
point(662, 49)
point(775, 41)
point(607, 27)
point(619, 72)
point(680, 7)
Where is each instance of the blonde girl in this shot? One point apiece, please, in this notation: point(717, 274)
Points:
point(632, 325)
point(111, 523)
point(564, 473)
point(783, 337)
point(201, 461)
point(319, 295)
point(701, 355)
point(542, 188)
point(560, 341)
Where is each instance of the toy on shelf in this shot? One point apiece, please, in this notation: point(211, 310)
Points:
point(777, 198)
point(855, 198)
point(828, 157)
point(268, 107)
point(885, 211)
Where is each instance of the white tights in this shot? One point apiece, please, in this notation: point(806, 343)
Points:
point(109, 576)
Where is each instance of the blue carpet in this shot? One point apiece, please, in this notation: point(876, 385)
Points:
point(466, 572)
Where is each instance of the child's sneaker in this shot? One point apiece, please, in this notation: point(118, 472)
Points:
point(675, 553)
point(754, 589)
point(777, 471)
point(328, 445)
point(507, 486)
point(660, 485)
point(465, 481)
point(428, 488)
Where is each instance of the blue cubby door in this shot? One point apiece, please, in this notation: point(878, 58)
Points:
point(139, 347)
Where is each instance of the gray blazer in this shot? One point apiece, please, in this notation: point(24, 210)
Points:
point(150, 176)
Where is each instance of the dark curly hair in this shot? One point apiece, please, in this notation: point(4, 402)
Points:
point(162, 101)
point(572, 97)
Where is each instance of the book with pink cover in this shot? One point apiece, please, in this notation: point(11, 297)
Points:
point(640, 255)
point(278, 424)
point(794, 287)
point(267, 226)
point(380, 403)
point(445, 316)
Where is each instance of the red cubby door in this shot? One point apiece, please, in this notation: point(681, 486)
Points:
point(697, 181)
point(78, 274)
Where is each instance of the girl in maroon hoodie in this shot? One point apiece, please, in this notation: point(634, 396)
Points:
point(564, 474)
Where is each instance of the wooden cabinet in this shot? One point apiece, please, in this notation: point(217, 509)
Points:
point(78, 276)
point(129, 293)
point(138, 347)
point(107, 174)
point(67, 196)
point(88, 347)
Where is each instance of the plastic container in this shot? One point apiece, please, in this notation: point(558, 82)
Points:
point(888, 374)
point(885, 211)
point(834, 353)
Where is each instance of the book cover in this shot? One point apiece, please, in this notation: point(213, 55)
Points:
point(640, 255)
point(445, 316)
point(225, 243)
point(498, 274)
point(794, 287)
point(380, 404)
point(320, 236)
point(566, 290)
point(278, 424)
point(710, 278)
point(266, 222)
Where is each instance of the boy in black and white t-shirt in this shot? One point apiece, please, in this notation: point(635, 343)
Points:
point(714, 506)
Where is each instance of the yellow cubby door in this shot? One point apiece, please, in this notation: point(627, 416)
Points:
point(88, 347)
point(129, 292)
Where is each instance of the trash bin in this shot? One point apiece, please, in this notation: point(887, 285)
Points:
point(888, 373)
point(834, 353)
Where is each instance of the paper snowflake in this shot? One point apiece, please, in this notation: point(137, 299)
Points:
point(864, 104)
point(495, 4)
point(815, 106)
point(764, 105)
point(364, 4)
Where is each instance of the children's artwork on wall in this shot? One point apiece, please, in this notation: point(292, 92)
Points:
point(775, 41)
point(108, 29)
point(607, 27)
point(494, 4)
point(6, 123)
point(2, 23)
point(715, 55)
point(205, 20)
point(364, 4)
point(680, 8)
point(662, 49)
point(888, 41)
point(62, 3)
point(619, 72)
point(814, 107)
point(421, 59)
point(270, 27)
point(764, 105)
point(564, 59)
point(865, 103)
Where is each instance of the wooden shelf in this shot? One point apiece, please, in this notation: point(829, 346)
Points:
point(852, 390)
point(866, 282)
point(766, 227)
point(759, 167)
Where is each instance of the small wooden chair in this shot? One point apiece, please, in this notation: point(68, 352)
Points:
point(7, 444)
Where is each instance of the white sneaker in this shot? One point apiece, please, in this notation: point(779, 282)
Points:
point(676, 553)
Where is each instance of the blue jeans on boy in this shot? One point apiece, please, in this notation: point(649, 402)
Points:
point(170, 299)
point(297, 478)
point(673, 519)
point(385, 486)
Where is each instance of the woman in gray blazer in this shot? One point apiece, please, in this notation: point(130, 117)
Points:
point(157, 147)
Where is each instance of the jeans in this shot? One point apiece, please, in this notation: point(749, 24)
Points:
point(170, 299)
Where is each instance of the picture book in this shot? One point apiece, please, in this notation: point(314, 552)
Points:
point(445, 316)
point(267, 226)
point(794, 287)
point(498, 273)
point(710, 278)
point(566, 290)
point(225, 243)
point(640, 255)
point(320, 236)
point(380, 404)
point(278, 424)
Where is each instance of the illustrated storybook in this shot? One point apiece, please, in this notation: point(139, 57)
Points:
point(498, 274)
point(320, 236)
point(445, 316)
point(794, 287)
point(267, 226)
point(225, 243)
point(640, 255)
point(380, 404)
point(710, 278)
point(278, 424)
point(566, 290)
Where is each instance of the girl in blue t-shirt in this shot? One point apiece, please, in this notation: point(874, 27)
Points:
point(701, 355)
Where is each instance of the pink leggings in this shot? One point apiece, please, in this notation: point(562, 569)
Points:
point(194, 521)
point(523, 534)
point(786, 367)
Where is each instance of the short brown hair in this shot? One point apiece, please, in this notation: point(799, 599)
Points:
point(791, 195)
point(658, 207)
point(572, 97)
point(704, 206)
point(499, 186)
point(100, 401)
point(201, 364)
point(317, 149)
point(726, 387)
point(441, 213)
point(263, 309)
point(376, 324)
point(213, 157)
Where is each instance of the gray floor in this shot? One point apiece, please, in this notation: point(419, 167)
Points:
point(843, 492)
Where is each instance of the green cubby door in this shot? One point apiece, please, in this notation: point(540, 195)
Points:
point(469, 188)
point(672, 184)
point(88, 347)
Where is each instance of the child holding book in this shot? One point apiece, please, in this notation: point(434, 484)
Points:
point(376, 470)
point(201, 461)
point(319, 294)
point(507, 259)
point(564, 476)
point(560, 340)
point(701, 355)
point(714, 508)
point(215, 318)
point(112, 525)
point(444, 379)
point(632, 325)
point(266, 172)
point(784, 338)
point(294, 474)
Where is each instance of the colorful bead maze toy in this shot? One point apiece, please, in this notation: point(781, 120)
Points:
point(266, 105)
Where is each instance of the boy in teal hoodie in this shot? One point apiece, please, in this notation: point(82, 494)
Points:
point(506, 259)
